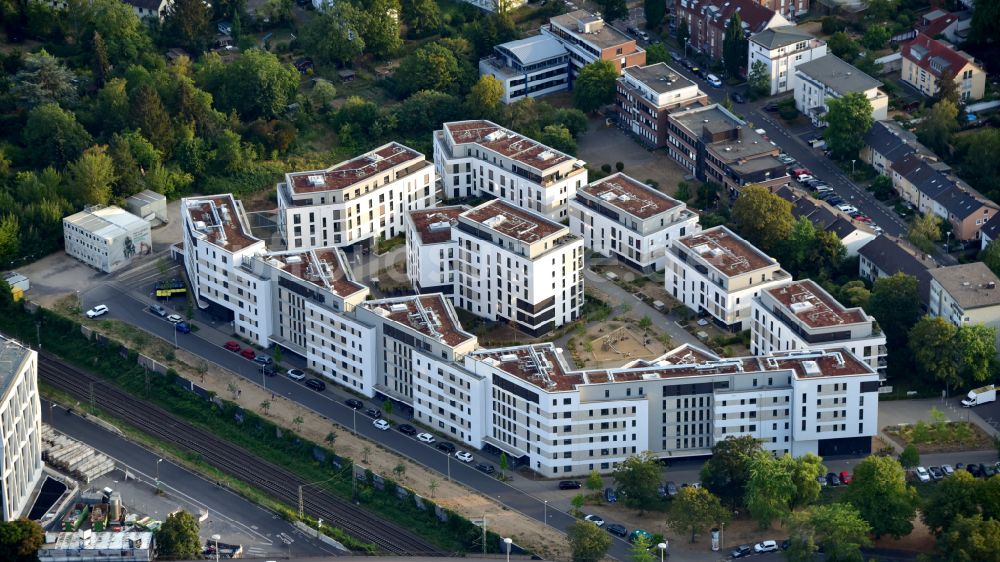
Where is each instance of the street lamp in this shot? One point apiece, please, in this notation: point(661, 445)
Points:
point(663, 548)
point(722, 536)
point(216, 539)
point(546, 512)
point(853, 160)
point(158, 461)
point(319, 527)
point(507, 541)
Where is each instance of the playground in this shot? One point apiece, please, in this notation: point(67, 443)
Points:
point(612, 344)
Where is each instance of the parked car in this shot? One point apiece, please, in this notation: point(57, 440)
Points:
point(381, 424)
point(463, 456)
point(845, 477)
point(446, 447)
point(960, 466)
point(947, 469)
point(740, 551)
point(832, 480)
point(248, 353)
point(936, 473)
point(713, 81)
point(268, 371)
point(800, 172)
point(973, 469)
point(183, 327)
point(671, 489)
point(610, 495)
point(989, 471)
point(634, 536)
point(644, 36)
point(425, 438)
point(822, 481)
point(847, 208)
point(99, 310)
point(373, 413)
point(785, 159)
point(595, 519)
point(407, 429)
point(485, 468)
point(570, 485)
point(354, 403)
point(771, 107)
point(803, 178)
point(174, 318)
point(263, 359)
point(738, 97)
point(296, 374)
point(158, 310)
point(316, 384)
point(922, 474)
point(695, 70)
point(231, 346)
point(766, 546)
point(616, 529)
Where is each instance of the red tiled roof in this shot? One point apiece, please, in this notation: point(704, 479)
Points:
point(934, 50)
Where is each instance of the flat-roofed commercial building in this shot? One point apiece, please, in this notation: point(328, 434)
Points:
point(718, 274)
point(529, 67)
point(477, 158)
point(801, 315)
point(430, 249)
point(106, 238)
point(356, 201)
point(646, 94)
point(519, 267)
point(20, 428)
point(620, 217)
point(588, 38)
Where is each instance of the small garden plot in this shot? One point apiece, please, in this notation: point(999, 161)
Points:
point(940, 435)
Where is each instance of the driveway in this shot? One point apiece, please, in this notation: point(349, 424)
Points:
point(608, 145)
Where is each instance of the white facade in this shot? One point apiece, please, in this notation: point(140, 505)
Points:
point(828, 77)
point(430, 249)
point(21, 429)
point(481, 158)
point(88, 546)
point(717, 273)
point(802, 315)
point(497, 5)
point(106, 238)
point(528, 68)
point(519, 267)
point(354, 201)
point(781, 49)
point(620, 217)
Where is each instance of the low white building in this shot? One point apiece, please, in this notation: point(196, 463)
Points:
point(150, 9)
point(481, 158)
point(497, 5)
point(106, 238)
point(801, 315)
point(518, 267)
point(430, 249)
point(782, 49)
point(355, 201)
point(21, 431)
point(88, 546)
point(620, 217)
point(718, 274)
point(529, 67)
point(830, 77)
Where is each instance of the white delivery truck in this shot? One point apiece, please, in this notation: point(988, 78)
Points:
point(980, 396)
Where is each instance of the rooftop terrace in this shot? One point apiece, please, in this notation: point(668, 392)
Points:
point(505, 142)
point(353, 171)
point(434, 225)
point(630, 195)
point(324, 267)
point(727, 252)
point(658, 77)
point(431, 315)
point(504, 218)
point(814, 307)
point(220, 218)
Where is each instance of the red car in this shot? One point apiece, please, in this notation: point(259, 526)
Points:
point(845, 477)
point(800, 172)
point(249, 353)
point(232, 346)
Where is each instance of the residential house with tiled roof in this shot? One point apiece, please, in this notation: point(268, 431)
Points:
point(926, 61)
point(853, 235)
point(707, 21)
point(885, 256)
point(965, 210)
point(990, 230)
point(887, 143)
point(913, 173)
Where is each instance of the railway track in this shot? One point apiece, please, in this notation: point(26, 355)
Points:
point(232, 460)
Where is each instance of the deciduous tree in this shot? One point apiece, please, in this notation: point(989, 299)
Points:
point(20, 539)
point(838, 529)
point(936, 128)
point(875, 37)
point(44, 79)
point(91, 176)
point(657, 53)
point(654, 11)
point(760, 82)
point(986, 20)
point(431, 67)
point(559, 138)
point(146, 113)
point(957, 495)
point(977, 350)
point(178, 538)
point(804, 471)
point(333, 35)
point(970, 539)
point(587, 542)
point(422, 17)
point(53, 136)
point(848, 119)
point(932, 343)
point(612, 10)
point(695, 509)
point(595, 86)
point(188, 24)
point(925, 231)
point(727, 472)
point(909, 457)
point(762, 217)
point(594, 481)
point(380, 27)
point(426, 110)
point(770, 490)
point(256, 85)
point(485, 99)
point(990, 255)
point(895, 303)
point(881, 496)
point(638, 477)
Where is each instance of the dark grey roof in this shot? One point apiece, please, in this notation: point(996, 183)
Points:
point(838, 75)
point(891, 141)
point(821, 217)
point(991, 229)
point(152, 5)
point(891, 257)
point(782, 36)
point(841, 227)
point(926, 178)
point(959, 202)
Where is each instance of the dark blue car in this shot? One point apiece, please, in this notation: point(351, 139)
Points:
point(183, 327)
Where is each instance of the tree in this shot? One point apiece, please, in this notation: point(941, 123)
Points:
point(875, 37)
point(10, 241)
point(277, 11)
point(734, 46)
point(991, 256)
point(760, 82)
point(769, 490)
point(909, 457)
point(380, 27)
point(53, 136)
point(803, 472)
point(895, 303)
point(323, 93)
point(594, 481)
point(425, 110)
point(932, 342)
point(559, 138)
point(727, 472)
point(970, 539)
point(848, 119)
point(43, 79)
point(431, 67)
point(762, 217)
point(657, 53)
point(188, 23)
point(683, 33)
point(654, 11)
point(387, 407)
point(937, 127)
point(485, 98)
point(925, 231)
point(958, 495)
point(976, 351)
point(256, 85)
point(843, 46)
point(21, 539)
point(947, 89)
point(504, 463)
point(612, 10)
point(265, 406)
point(882, 188)
point(985, 20)
point(640, 549)
point(838, 529)
point(694, 509)
point(399, 470)
point(883, 499)
point(638, 477)
point(102, 68)
point(91, 176)
point(422, 17)
point(595, 86)
point(332, 35)
point(124, 33)
point(587, 542)
point(577, 502)
point(177, 537)
point(146, 113)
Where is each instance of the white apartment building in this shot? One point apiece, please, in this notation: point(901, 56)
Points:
point(518, 267)
point(829, 77)
point(782, 49)
point(106, 238)
point(966, 294)
point(801, 315)
point(529, 67)
point(620, 217)
point(20, 428)
point(716, 273)
point(355, 201)
point(477, 158)
point(430, 248)
point(588, 38)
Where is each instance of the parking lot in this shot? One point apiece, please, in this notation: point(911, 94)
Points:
point(607, 145)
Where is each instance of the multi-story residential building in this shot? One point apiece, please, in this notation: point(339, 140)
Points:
point(150, 9)
point(790, 9)
point(561, 422)
point(715, 145)
point(589, 39)
point(620, 217)
point(430, 249)
point(356, 201)
point(990, 231)
point(965, 210)
point(106, 238)
point(529, 67)
point(887, 143)
point(781, 50)
point(885, 256)
point(707, 21)
point(21, 431)
point(828, 77)
point(926, 61)
point(966, 294)
point(718, 274)
point(801, 315)
point(646, 94)
point(477, 158)
point(852, 234)
point(518, 267)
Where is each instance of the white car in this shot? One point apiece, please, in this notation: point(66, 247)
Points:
point(595, 519)
point(847, 208)
point(425, 438)
point(922, 474)
point(296, 374)
point(98, 310)
point(174, 318)
point(803, 178)
point(381, 424)
point(463, 456)
point(765, 546)
point(713, 81)
point(947, 469)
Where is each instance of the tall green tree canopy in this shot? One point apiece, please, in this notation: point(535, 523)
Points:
point(587, 542)
point(763, 218)
point(20, 539)
point(380, 27)
point(838, 529)
point(895, 303)
point(734, 46)
point(422, 17)
point(91, 176)
point(803, 471)
point(727, 472)
point(654, 11)
point(595, 86)
point(848, 120)
point(431, 67)
point(770, 489)
point(638, 477)
point(970, 539)
point(43, 79)
point(334, 34)
point(54, 136)
point(257, 84)
point(485, 98)
point(188, 24)
point(986, 20)
point(959, 494)
point(178, 537)
point(695, 509)
point(881, 496)
point(936, 128)
point(612, 10)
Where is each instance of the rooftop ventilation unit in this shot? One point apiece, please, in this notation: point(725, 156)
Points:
point(440, 225)
point(508, 357)
point(373, 158)
point(317, 181)
point(494, 136)
point(200, 226)
point(702, 249)
point(399, 307)
point(608, 196)
point(494, 222)
point(293, 259)
point(624, 197)
point(811, 368)
point(798, 307)
point(546, 155)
